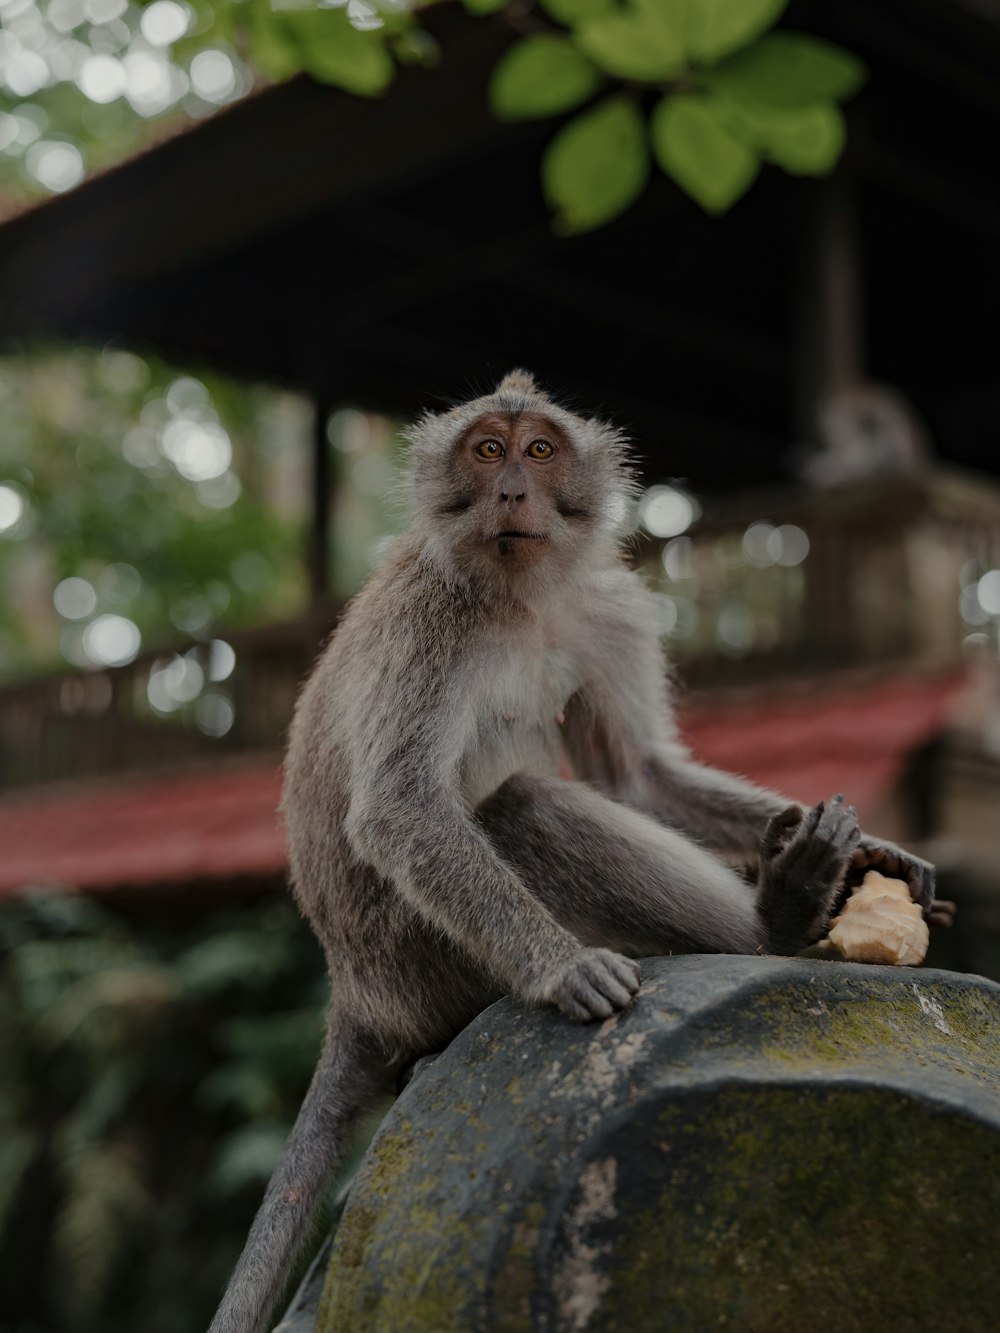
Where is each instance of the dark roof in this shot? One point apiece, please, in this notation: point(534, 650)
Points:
point(397, 251)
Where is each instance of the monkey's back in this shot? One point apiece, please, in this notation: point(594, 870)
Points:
point(365, 707)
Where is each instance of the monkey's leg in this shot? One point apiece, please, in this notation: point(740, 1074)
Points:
point(350, 1077)
point(618, 878)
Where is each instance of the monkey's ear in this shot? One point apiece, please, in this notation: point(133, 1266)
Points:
point(518, 381)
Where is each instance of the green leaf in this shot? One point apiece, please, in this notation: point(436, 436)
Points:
point(714, 28)
point(788, 69)
point(806, 141)
point(333, 51)
point(694, 144)
point(541, 76)
point(416, 46)
point(271, 49)
point(480, 7)
point(573, 12)
point(644, 41)
point(596, 165)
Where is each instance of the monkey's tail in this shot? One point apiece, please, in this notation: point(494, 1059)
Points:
point(349, 1076)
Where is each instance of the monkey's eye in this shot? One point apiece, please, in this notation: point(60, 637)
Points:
point(540, 450)
point(490, 450)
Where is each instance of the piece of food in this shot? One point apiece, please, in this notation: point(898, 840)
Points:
point(879, 923)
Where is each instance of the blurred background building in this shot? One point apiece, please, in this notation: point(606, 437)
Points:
point(208, 349)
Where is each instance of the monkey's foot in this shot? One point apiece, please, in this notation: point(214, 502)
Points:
point(593, 984)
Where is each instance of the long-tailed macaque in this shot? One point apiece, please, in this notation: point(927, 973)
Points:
point(439, 856)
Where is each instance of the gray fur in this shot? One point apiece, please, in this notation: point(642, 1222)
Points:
point(434, 848)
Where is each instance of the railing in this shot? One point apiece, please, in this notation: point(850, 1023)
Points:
point(896, 571)
point(201, 702)
point(889, 570)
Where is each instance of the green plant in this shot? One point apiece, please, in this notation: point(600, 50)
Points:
point(703, 89)
point(727, 94)
point(150, 1076)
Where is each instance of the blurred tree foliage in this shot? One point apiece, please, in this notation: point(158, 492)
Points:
point(700, 88)
point(149, 1080)
point(175, 503)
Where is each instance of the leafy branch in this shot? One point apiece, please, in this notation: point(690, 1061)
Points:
point(703, 89)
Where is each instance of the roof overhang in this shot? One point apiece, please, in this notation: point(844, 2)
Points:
point(397, 251)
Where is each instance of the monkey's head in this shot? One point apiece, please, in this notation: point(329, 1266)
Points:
point(511, 481)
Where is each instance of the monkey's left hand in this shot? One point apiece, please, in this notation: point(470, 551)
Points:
point(897, 863)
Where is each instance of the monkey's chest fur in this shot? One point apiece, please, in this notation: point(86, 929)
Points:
point(519, 714)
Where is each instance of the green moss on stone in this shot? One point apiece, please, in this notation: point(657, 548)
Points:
point(756, 1144)
point(854, 1211)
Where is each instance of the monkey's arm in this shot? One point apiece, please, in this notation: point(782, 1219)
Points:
point(416, 831)
point(725, 812)
point(621, 736)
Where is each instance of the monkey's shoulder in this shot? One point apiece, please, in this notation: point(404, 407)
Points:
point(407, 606)
point(619, 594)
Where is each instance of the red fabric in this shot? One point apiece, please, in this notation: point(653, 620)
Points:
point(223, 825)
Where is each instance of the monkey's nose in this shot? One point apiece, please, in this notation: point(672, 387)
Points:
point(511, 499)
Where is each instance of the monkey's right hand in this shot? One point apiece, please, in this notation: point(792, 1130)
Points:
point(592, 984)
point(804, 859)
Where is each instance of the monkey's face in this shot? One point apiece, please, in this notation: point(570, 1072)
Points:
point(512, 482)
point(511, 470)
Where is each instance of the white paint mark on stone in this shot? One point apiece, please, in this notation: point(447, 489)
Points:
point(930, 1007)
point(579, 1284)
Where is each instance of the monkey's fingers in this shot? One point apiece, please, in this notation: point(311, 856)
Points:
point(821, 848)
point(779, 827)
point(942, 913)
point(897, 863)
point(594, 984)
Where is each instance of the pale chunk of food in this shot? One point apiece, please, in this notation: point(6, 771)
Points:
point(880, 923)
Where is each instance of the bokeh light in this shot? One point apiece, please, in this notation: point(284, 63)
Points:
point(213, 76)
point(764, 544)
point(677, 557)
point(198, 450)
point(56, 165)
point(219, 492)
point(665, 511)
point(164, 22)
point(25, 72)
point(221, 660)
point(734, 629)
point(12, 508)
point(112, 640)
point(214, 714)
point(988, 592)
point(102, 78)
point(152, 83)
point(174, 681)
point(119, 582)
point(75, 598)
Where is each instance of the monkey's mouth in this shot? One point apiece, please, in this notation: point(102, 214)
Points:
point(508, 539)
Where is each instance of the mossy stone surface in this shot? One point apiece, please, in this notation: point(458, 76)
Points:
point(757, 1143)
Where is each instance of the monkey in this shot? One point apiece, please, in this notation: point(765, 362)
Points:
point(437, 847)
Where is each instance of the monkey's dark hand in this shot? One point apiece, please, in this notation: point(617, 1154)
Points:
point(897, 863)
point(592, 984)
point(804, 857)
